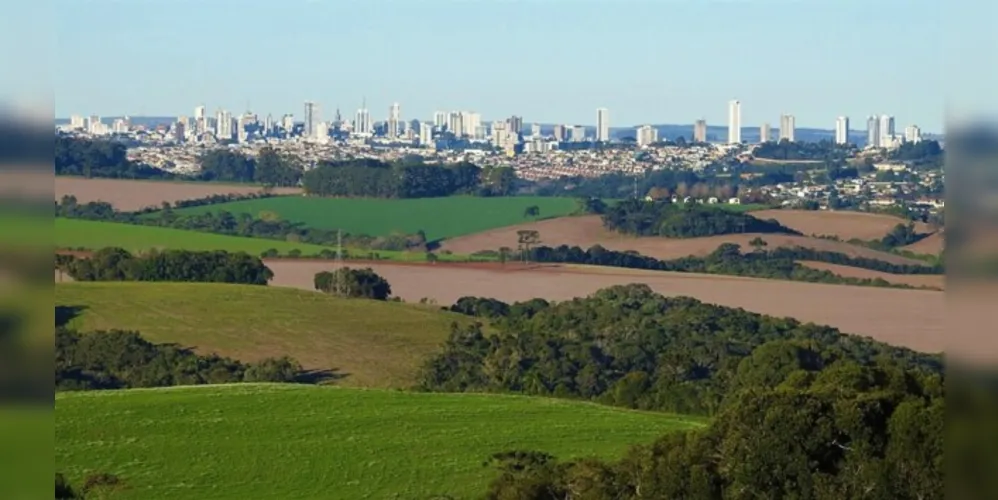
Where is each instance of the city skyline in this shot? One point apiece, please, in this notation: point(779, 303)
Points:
point(491, 78)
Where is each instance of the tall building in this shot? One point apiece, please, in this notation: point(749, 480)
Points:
point(873, 132)
point(577, 134)
point(426, 134)
point(912, 134)
point(78, 122)
point(180, 130)
point(362, 123)
point(886, 130)
point(734, 122)
point(200, 120)
point(288, 123)
point(471, 123)
point(311, 118)
point(535, 130)
point(224, 127)
point(94, 124)
point(515, 124)
point(393, 121)
point(439, 119)
point(602, 125)
point(788, 127)
point(646, 134)
point(700, 131)
point(559, 133)
point(765, 133)
point(842, 130)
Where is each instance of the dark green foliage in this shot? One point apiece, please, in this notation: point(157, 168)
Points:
point(926, 154)
point(119, 360)
point(821, 440)
point(728, 259)
point(218, 266)
point(100, 158)
point(786, 150)
point(64, 490)
point(404, 179)
point(692, 220)
point(226, 165)
point(356, 283)
point(592, 206)
point(276, 169)
point(480, 307)
point(243, 224)
point(630, 347)
point(901, 235)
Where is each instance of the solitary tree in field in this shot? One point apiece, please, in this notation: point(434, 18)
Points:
point(532, 211)
point(504, 254)
point(758, 243)
point(526, 239)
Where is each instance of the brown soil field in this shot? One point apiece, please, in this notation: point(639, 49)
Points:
point(917, 280)
point(127, 195)
point(912, 318)
point(587, 231)
point(930, 245)
point(844, 224)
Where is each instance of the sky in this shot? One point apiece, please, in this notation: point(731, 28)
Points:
point(550, 61)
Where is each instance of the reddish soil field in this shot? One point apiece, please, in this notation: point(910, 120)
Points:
point(130, 195)
point(844, 224)
point(912, 318)
point(917, 280)
point(588, 230)
point(930, 245)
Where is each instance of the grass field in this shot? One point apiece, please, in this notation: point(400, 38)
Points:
point(76, 233)
point(439, 218)
point(369, 343)
point(281, 441)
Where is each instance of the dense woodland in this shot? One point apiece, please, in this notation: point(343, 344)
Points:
point(628, 346)
point(407, 179)
point(121, 360)
point(728, 259)
point(100, 158)
point(263, 225)
point(270, 167)
point(689, 220)
point(117, 264)
point(353, 283)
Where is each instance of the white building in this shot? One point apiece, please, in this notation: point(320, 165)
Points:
point(842, 130)
point(393, 121)
point(535, 130)
point(645, 135)
point(577, 134)
point(426, 135)
point(734, 122)
point(288, 123)
point(765, 133)
point(602, 125)
point(788, 127)
point(77, 122)
point(887, 131)
point(311, 118)
point(224, 128)
point(873, 132)
point(912, 134)
point(700, 131)
point(439, 119)
point(362, 123)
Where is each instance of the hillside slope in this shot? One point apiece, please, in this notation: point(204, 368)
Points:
point(280, 442)
point(368, 343)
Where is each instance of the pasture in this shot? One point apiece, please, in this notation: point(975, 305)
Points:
point(361, 342)
point(438, 218)
point(286, 441)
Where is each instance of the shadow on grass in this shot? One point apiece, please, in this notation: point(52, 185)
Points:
point(319, 377)
point(65, 314)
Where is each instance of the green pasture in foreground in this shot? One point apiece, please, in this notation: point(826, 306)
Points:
point(286, 441)
point(438, 218)
point(77, 233)
point(369, 343)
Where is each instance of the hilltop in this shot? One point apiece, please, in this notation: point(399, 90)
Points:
point(367, 343)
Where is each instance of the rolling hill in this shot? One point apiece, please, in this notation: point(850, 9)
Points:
point(292, 441)
point(367, 343)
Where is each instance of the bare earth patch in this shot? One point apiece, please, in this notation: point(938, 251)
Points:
point(929, 280)
point(587, 231)
point(128, 195)
point(842, 223)
point(911, 318)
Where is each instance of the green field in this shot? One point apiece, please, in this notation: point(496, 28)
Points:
point(369, 343)
point(287, 441)
point(439, 218)
point(77, 233)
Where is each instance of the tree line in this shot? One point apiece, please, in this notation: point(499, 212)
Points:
point(728, 259)
point(683, 220)
point(264, 225)
point(117, 359)
point(117, 264)
point(270, 167)
point(813, 151)
point(628, 346)
point(100, 158)
point(407, 179)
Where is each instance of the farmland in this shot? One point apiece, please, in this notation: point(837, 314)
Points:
point(273, 441)
point(844, 224)
point(368, 343)
point(911, 318)
point(129, 195)
point(438, 218)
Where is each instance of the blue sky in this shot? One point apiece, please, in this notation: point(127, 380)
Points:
point(550, 61)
